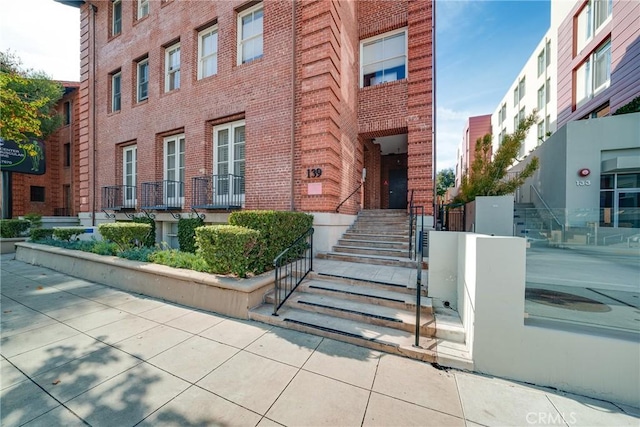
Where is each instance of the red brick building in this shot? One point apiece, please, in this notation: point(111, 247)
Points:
point(276, 104)
point(475, 128)
point(54, 193)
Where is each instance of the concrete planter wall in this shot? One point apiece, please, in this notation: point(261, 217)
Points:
point(8, 246)
point(225, 295)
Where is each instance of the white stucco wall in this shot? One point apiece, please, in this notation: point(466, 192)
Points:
point(494, 215)
point(490, 288)
point(328, 229)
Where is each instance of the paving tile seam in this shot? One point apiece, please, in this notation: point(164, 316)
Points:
point(562, 415)
point(280, 361)
point(230, 401)
point(48, 394)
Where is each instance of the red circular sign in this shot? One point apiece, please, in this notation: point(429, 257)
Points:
point(584, 172)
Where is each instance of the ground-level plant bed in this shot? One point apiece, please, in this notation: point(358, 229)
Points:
point(220, 294)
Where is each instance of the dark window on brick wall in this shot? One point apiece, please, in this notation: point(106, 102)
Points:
point(67, 113)
point(37, 193)
point(67, 155)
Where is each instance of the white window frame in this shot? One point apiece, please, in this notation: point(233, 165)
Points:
point(231, 160)
point(116, 21)
point(116, 76)
point(241, 41)
point(170, 73)
point(201, 36)
point(129, 199)
point(143, 8)
point(139, 82)
point(522, 87)
point(541, 97)
point(585, 75)
point(541, 62)
point(586, 22)
point(172, 194)
point(405, 54)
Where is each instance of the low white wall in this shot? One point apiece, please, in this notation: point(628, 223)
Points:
point(494, 215)
point(328, 229)
point(490, 290)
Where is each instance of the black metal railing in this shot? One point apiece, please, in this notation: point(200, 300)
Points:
point(162, 195)
point(454, 217)
point(119, 197)
point(217, 192)
point(420, 245)
point(414, 213)
point(348, 197)
point(291, 267)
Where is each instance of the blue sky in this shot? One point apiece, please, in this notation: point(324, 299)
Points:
point(481, 46)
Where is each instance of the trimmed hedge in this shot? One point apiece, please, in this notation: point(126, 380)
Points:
point(187, 233)
point(10, 228)
point(41, 233)
point(229, 249)
point(68, 233)
point(179, 259)
point(278, 230)
point(150, 241)
point(125, 234)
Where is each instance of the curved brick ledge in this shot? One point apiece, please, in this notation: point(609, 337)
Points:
point(225, 295)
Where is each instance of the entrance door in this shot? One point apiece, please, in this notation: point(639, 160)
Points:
point(398, 189)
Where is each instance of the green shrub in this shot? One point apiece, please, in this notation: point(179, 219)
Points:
point(102, 247)
point(187, 233)
point(150, 241)
point(278, 230)
point(125, 234)
point(37, 234)
point(68, 233)
point(229, 249)
point(35, 220)
point(178, 259)
point(138, 254)
point(10, 228)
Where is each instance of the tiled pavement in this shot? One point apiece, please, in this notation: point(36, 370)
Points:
point(78, 353)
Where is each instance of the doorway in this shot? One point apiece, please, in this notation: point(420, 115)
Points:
point(397, 189)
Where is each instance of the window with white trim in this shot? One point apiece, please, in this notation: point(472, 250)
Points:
point(541, 98)
point(143, 80)
point(116, 17)
point(541, 63)
point(172, 68)
point(540, 132)
point(229, 159)
point(250, 34)
point(594, 75)
point(383, 58)
point(143, 8)
point(521, 88)
point(591, 19)
point(116, 91)
point(129, 176)
point(174, 147)
point(504, 113)
point(208, 52)
point(547, 90)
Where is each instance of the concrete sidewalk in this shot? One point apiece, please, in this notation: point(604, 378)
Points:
point(78, 353)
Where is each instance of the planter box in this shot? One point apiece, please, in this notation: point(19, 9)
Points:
point(8, 246)
point(220, 294)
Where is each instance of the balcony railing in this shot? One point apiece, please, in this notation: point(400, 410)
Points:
point(119, 197)
point(162, 195)
point(218, 192)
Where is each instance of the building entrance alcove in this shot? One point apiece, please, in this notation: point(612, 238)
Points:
point(386, 185)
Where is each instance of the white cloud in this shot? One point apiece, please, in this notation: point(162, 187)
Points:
point(44, 34)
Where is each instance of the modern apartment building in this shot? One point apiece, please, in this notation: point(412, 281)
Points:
point(476, 127)
point(280, 104)
point(55, 192)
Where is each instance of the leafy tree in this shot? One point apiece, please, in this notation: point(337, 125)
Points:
point(487, 176)
point(445, 179)
point(27, 101)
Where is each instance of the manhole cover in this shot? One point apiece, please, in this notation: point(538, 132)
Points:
point(565, 300)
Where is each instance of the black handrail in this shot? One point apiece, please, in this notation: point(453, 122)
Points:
point(348, 197)
point(291, 267)
point(419, 287)
point(410, 223)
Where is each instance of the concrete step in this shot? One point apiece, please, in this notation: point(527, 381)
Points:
point(372, 296)
point(397, 238)
point(403, 231)
point(402, 319)
point(360, 250)
point(375, 337)
point(373, 243)
point(386, 286)
point(372, 259)
point(383, 219)
point(382, 212)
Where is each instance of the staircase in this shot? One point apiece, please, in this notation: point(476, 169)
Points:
point(527, 223)
point(379, 237)
point(364, 293)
